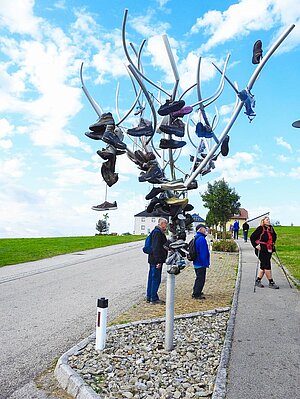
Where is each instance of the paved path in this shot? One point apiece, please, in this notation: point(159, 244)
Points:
point(265, 353)
point(48, 305)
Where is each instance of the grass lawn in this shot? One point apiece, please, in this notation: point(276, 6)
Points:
point(19, 250)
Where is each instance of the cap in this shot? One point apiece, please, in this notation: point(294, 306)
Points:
point(200, 225)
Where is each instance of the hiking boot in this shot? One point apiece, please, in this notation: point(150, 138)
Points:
point(144, 128)
point(204, 131)
point(176, 127)
point(274, 286)
point(257, 52)
point(152, 173)
point(173, 144)
point(249, 103)
point(102, 122)
point(94, 135)
point(154, 192)
point(170, 106)
point(224, 146)
point(108, 175)
point(106, 206)
point(183, 111)
point(259, 284)
point(111, 138)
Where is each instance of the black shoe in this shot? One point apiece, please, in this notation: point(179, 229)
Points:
point(110, 138)
point(173, 144)
point(144, 157)
point(224, 146)
point(198, 297)
point(157, 302)
point(296, 124)
point(102, 122)
point(154, 192)
point(170, 106)
point(143, 129)
point(94, 135)
point(152, 174)
point(176, 127)
point(106, 206)
point(109, 152)
point(109, 177)
point(257, 52)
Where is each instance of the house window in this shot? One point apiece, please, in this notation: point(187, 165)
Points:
point(143, 219)
point(142, 227)
point(153, 220)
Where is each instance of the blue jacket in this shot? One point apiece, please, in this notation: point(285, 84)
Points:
point(203, 255)
point(159, 253)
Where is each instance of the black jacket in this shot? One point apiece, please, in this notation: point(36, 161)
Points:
point(159, 254)
point(261, 234)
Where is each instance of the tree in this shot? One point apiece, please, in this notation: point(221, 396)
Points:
point(222, 202)
point(102, 225)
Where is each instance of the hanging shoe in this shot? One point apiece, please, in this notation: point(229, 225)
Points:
point(296, 124)
point(105, 119)
point(183, 111)
point(249, 103)
point(95, 135)
point(176, 127)
point(154, 192)
point(224, 146)
point(203, 131)
point(257, 52)
point(170, 106)
point(106, 206)
point(110, 138)
point(109, 177)
point(144, 128)
point(172, 144)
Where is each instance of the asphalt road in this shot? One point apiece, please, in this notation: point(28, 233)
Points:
point(48, 306)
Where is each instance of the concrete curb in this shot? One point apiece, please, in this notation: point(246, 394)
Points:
point(222, 373)
point(71, 382)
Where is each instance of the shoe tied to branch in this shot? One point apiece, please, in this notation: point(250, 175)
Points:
point(183, 111)
point(176, 127)
point(144, 128)
point(102, 122)
point(110, 137)
point(172, 144)
point(105, 206)
point(257, 52)
point(170, 106)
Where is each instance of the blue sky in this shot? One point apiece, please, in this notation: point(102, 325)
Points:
point(50, 171)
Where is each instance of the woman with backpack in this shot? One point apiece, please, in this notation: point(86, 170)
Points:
point(263, 240)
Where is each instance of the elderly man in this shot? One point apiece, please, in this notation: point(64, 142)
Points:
point(202, 261)
point(156, 259)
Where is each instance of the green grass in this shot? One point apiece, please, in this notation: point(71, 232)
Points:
point(19, 250)
point(288, 248)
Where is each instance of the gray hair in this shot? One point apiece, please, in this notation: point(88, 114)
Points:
point(162, 220)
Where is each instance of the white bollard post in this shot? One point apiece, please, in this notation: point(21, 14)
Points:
point(170, 301)
point(101, 322)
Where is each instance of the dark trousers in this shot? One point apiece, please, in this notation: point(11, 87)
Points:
point(199, 282)
point(245, 235)
point(154, 279)
point(236, 234)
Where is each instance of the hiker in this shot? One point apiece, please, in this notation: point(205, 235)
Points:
point(156, 259)
point(202, 261)
point(245, 228)
point(263, 240)
point(235, 229)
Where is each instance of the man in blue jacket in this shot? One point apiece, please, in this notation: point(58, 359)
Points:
point(201, 263)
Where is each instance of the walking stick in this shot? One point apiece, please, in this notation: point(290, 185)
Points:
point(284, 272)
point(256, 271)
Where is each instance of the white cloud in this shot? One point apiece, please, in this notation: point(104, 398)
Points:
point(246, 16)
point(280, 141)
point(295, 173)
point(283, 158)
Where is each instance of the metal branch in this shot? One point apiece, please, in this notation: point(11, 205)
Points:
point(93, 103)
point(173, 65)
point(239, 105)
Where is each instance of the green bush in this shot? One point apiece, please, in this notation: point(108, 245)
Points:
point(225, 246)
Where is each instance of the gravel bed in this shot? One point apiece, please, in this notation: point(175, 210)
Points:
point(134, 363)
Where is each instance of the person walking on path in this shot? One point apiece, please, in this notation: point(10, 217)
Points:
point(235, 229)
point(263, 240)
point(245, 228)
point(156, 259)
point(202, 261)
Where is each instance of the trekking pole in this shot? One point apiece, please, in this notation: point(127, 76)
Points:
point(284, 272)
point(256, 271)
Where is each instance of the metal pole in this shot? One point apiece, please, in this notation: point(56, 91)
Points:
point(170, 300)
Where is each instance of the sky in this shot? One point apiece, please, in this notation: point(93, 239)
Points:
point(50, 170)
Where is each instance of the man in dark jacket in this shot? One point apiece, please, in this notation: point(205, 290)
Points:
point(245, 231)
point(201, 263)
point(156, 260)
